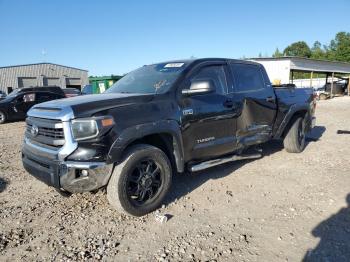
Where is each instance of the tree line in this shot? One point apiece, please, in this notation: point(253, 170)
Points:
point(337, 50)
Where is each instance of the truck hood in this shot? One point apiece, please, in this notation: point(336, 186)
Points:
point(87, 105)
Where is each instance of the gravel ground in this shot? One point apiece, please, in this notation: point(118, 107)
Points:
point(283, 207)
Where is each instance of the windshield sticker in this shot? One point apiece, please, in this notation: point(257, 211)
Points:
point(174, 65)
point(160, 84)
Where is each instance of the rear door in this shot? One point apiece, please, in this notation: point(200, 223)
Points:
point(42, 97)
point(208, 121)
point(22, 104)
point(256, 100)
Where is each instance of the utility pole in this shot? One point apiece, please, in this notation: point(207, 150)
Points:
point(332, 85)
point(311, 77)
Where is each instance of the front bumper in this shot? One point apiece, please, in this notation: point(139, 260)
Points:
point(74, 177)
point(80, 177)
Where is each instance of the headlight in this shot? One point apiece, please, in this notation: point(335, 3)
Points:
point(84, 129)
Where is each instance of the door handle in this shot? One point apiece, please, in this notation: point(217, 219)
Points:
point(228, 103)
point(270, 99)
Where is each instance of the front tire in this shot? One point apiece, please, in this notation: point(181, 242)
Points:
point(3, 117)
point(294, 142)
point(140, 182)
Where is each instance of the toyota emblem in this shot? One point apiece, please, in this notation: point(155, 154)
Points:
point(34, 130)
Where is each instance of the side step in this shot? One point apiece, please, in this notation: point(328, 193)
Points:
point(215, 162)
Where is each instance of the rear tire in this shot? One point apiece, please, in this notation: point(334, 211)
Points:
point(294, 142)
point(3, 117)
point(140, 182)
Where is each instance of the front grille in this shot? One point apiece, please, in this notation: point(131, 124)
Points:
point(49, 132)
point(56, 133)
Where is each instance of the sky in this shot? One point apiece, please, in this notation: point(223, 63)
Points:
point(115, 37)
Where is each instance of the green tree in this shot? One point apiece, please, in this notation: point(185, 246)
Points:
point(277, 53)
point(317, 52)
point(300, 49)
point(339, 48)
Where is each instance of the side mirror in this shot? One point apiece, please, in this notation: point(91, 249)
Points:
point(199, 87)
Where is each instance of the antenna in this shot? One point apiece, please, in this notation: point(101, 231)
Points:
point(43, 53)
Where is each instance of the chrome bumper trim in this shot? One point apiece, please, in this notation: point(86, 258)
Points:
point(70, 145)
point(84, 165)
point(98, 174)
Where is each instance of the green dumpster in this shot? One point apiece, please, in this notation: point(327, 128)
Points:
point(102, 83)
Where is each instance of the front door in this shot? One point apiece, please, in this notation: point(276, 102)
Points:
point(208, 120)
point(22, 104)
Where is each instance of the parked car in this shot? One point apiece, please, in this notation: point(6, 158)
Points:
point(16, 105)
point(71, 92)
point(339, 87)
point(159, 120)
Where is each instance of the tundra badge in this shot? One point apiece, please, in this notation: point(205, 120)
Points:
point(187, 112)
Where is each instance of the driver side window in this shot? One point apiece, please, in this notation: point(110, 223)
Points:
point(216, 74)
point(30, 97)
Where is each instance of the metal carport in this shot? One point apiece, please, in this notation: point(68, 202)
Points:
point(284, 67)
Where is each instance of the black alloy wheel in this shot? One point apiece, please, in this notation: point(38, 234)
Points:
point(145, 182)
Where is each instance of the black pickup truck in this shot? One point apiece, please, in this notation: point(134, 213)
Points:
point(16, 105)
point(159, 120)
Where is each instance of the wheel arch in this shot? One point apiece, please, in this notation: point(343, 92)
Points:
point(294, 112)
point(164, 135)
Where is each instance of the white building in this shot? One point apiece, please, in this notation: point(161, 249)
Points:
point(281, 69)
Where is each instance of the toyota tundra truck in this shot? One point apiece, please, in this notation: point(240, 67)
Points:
point(160, 120)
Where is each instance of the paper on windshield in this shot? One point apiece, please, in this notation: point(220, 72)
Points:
point(174, 65)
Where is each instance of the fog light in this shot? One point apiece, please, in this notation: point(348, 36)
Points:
point(84, 172)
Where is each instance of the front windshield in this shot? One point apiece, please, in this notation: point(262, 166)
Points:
point(13, 93)
point(149, 79)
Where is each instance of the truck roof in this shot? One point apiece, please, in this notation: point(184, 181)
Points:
point(53, 89)
point(200, 60)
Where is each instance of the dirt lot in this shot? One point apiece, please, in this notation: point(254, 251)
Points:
point(283, 207)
